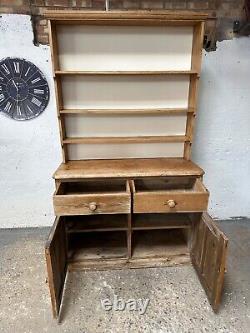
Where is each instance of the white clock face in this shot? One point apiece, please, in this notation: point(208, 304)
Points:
point(24, 91)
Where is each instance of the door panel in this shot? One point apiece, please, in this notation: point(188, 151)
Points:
point(208, 254)
point(56, 260)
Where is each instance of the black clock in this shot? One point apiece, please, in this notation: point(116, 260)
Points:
point(24, 91)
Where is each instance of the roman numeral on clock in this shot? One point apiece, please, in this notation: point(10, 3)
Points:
point(27, 72)
point(36, 101)
point(17, 67)
point(18, 109)
point(8, 106)
point(39, 91)
point(6, 69)
point(35, 80)
point(30, 110)
point(1, 97)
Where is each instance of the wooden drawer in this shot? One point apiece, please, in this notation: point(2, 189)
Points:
point(168, 195)
point(92, 197)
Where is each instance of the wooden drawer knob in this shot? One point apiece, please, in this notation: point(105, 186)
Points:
point(171, 203)
point(92, 206)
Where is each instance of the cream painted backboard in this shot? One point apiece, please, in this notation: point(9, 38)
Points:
point(124, 48)
point(124, 150)
point(124, 125)
point(125, 91)
point(93, 48)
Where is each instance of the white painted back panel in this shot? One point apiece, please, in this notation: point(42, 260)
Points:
point(124, 125)
point(124, 48)
point(139, 150)
point(126, 91)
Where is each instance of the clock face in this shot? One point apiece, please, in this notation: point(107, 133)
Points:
point(24, 91)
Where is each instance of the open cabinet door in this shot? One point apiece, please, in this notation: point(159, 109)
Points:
point(56, 259)
point(208, 255)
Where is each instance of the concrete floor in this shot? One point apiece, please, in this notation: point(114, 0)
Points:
point(177, 300)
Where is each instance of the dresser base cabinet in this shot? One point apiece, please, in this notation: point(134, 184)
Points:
point(101, 242)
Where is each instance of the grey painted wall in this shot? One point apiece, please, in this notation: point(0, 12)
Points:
point(29, 151)
point(222, 140)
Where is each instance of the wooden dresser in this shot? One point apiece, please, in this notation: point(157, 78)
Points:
point(127, 194)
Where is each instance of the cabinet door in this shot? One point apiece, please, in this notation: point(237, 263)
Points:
point(56, 259)
point(208, 254)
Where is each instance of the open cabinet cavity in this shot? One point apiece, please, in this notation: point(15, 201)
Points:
point(105, 237)
point(159, 244)
point(97, 240)
point(96, 246)
point(98, 237)
point(160, 221)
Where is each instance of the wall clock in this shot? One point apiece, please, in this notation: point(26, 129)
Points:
point(24, 91)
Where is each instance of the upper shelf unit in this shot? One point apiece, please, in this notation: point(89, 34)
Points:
point(126, 82)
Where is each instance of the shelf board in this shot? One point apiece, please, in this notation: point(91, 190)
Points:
point(185, 72)
point(160, 221)
point(128, 168)
point(152, 111)
point(119, 222)
point(131, 139)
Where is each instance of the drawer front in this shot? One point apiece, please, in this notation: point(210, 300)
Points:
point(166, 202)
point(87, 204)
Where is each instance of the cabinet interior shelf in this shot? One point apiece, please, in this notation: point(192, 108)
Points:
point(119, 222)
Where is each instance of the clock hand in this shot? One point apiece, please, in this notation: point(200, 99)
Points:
point(18, 112)
point(15, 85)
